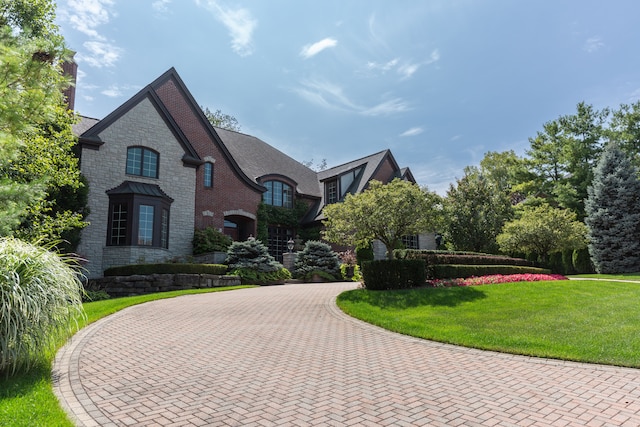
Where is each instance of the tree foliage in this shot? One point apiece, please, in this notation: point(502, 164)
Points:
point(475, 211)
point(541, 230)
point(613, 214)
point(35, 125)
point(384, 211)
point(314, 258)
point(221, 120)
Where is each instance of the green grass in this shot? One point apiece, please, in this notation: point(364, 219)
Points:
point(588, 321)
point(27, 399)
point(623, 276)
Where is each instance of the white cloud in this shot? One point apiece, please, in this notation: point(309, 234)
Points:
point(384, 67)
point(239, 22)
point(112, 92)
point(161, 6)
point(392, 106)
point(311, 50)
point(87, 15)
point(331, 96)
point(593, 44)
point(326, 95)
point(405, 69)
point(412, 132)
point(99, 54)
point(115, 91)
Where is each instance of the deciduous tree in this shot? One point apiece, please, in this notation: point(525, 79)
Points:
point(541, 230)
point(385, 212)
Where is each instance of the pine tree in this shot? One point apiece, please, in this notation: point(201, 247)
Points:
point(613, 214)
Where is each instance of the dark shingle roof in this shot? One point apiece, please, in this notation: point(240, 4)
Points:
point(131, 187)
point(83, 125)
point(256, 158)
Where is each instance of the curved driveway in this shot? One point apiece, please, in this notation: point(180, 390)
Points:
point(286, 355)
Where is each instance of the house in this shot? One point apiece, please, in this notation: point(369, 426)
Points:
point(157, 170)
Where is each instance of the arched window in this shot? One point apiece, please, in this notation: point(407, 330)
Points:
point(142, 161)
point(278, 194)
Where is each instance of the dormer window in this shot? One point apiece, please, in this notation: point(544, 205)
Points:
point(142, 161)
point(337, 188)
point(278, 194)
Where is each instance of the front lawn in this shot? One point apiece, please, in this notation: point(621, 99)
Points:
point(623, 276)
point(588, 321)
point(28, 399)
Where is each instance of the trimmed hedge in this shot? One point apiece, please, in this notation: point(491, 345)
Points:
point(393, 274)
point(450, 271)
point(460, 258)
point(167, 268)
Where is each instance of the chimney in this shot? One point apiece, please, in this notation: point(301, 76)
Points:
point(70, 69)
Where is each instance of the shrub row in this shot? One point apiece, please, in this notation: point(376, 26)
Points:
point(448, 271)
point(461, 258)
point(571, 262)
point(393, 274)
point(167, 268)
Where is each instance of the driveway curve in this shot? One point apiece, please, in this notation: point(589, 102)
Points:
point(286, 355)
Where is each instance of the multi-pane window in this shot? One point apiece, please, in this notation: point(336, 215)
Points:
point(164, 229)
point(278, 194)
point(208, 174)
point(119, 224)
point(142, 162)
point(139, 215)
point(145, 225)
point(336, 189)
point(331, 188)
point(411, 242)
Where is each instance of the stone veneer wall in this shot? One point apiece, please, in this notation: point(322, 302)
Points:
point(122, 286)
point(105, 169)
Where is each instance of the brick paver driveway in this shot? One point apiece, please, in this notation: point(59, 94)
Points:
point(286, 355)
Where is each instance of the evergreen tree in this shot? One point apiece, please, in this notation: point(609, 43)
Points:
point(613, 214)
point(316, 257)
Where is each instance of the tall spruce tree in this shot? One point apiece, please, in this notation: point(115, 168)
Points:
point(613, 214)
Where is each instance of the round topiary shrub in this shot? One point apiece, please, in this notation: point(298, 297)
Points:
point(317, 258)
point(40, 303)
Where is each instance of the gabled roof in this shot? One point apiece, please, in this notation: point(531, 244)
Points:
point(91, 136)
point(256, 158)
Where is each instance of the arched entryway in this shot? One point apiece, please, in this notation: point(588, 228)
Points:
point(239, 225)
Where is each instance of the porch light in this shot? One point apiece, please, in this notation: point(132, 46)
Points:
point(290, 245)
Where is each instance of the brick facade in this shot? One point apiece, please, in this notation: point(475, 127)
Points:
point(230, 192)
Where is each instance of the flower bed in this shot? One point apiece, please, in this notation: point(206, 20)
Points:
point(494, 279)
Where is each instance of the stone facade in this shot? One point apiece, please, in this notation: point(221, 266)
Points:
point(105, 169)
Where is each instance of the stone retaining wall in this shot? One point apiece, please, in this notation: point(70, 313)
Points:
point(121, 286)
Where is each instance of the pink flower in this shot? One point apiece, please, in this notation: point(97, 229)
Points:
point(495, 279)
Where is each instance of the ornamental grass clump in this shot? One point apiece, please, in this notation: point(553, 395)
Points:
point(40, 303)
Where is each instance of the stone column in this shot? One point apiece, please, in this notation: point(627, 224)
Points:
point(288, 259)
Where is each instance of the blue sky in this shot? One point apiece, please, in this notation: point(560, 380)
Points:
point(439, 82)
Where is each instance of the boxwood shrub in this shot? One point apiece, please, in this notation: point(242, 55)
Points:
point(166, 268)
point(393, 274)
